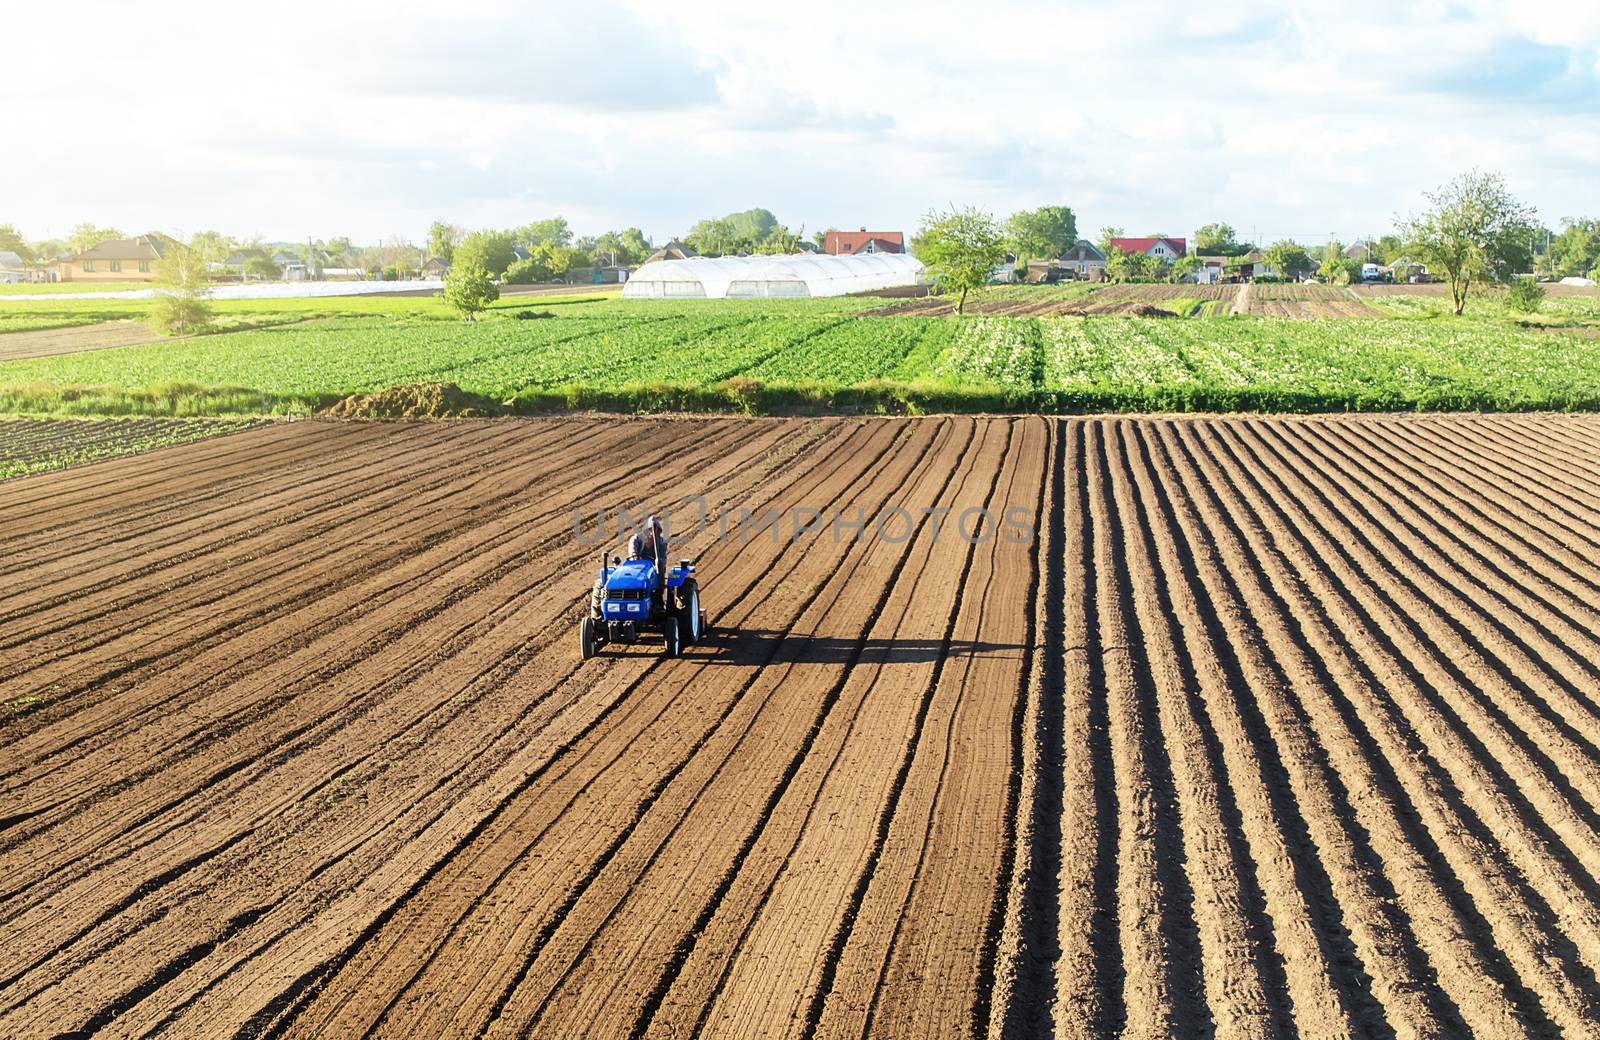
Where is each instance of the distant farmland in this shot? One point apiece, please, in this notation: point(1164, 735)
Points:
point(1052, 349)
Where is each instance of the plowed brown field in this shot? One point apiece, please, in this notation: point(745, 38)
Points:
point(1281, 727)
point(71, 340)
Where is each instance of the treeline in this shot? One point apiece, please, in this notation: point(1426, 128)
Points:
point(541, 251)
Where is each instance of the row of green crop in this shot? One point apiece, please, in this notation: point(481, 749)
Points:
point(28, 447)
point(749, 358)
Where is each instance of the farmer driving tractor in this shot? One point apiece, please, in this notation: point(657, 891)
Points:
point(649, 543)
point(644, 593)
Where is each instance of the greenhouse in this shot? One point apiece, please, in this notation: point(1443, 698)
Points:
point(760, 277)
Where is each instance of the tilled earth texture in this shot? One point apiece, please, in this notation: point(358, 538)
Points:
point(1275, 728)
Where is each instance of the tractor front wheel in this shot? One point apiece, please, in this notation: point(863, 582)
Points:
point(673, 646)
point(586, 636)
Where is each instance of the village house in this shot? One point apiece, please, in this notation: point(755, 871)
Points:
point(673, 250)
point(1164, 248)
point(115, 260)
point(1084, 260)
point(1212, 270)
point(12, 268)
point(436, 268)
point(853, 243)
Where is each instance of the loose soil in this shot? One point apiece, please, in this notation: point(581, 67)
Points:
point(48, 342)
point(413, 401)
point(1280, 727)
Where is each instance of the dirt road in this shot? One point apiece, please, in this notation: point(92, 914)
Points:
point(76, 338)
point(1279, 727)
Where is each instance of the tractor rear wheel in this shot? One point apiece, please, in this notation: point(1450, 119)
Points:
point(689, 612)
point(672, 645)
point(586, 635)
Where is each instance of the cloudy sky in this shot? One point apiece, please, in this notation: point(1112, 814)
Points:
point(295, 119)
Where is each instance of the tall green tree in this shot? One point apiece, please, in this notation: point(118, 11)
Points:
point(1473, 230)
point(1042, 234)
point(1130, 267)
point(1187, 264)
point(340, 250)
point(1288, 258)
point(180, 304)
point(443, 237)
point(1575, 251)
point(960, 248)
point(1215, 240)
point(11, 241)
point(552, 230)
point(1106, 235)
point(735, 233)
point(85, 237)
point(213, 246)
point(627, 247)
point(263, 267)
point(1335, 268)
point(493, 251)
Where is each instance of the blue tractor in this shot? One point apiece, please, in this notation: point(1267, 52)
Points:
point(643, 595)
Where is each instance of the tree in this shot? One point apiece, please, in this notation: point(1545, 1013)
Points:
point(11, 241)
point(1525, 296)
point(625, 248)
point(733, 234)
point(526, 272)
point(1473, 230)
point(820, 239)
point(1336, 268)
point(85, 237)
point(1130, 267)
point(1575, 251)
point(778, 241)
point(46, 248)
point(179, 305)
point(960, 248)
point(443, 239)
point(468, 287)
point(261, 266)
point(340, 250)
point(1288, 258)
point(556, 260)
point(1187, 264)
point(1106, 235)
point(1215, 240)
point(397, 252)
point(552, 231)
point(494, 251)
point(1042, 234)
point(213, 246)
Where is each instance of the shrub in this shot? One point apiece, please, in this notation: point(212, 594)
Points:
point(468, 288)
point(1525, 296)
point(391, 273)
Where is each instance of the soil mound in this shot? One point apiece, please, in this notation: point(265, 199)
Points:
point(413, 401)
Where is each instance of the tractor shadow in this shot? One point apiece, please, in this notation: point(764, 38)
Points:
point(755, 646)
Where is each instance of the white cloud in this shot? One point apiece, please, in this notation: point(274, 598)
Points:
point(361, 117)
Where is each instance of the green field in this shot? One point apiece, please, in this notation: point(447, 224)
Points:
point(604, 352)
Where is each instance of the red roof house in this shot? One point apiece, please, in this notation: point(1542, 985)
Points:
point(849, 243)
point(1168, 249)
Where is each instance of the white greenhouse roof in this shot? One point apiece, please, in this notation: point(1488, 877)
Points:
point(746, 277)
